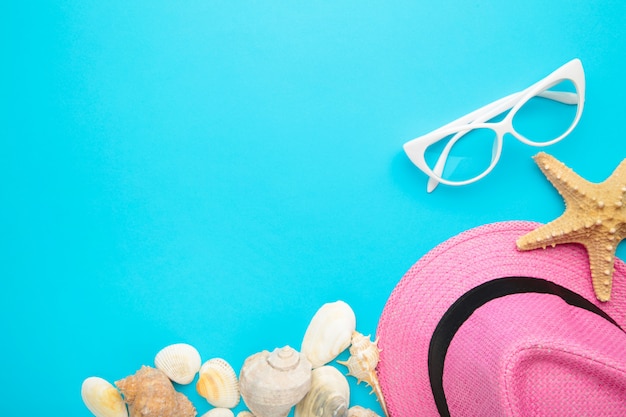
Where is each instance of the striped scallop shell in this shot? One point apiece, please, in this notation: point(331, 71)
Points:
point(218, 383)
point(102, 398)
point(180, 362)
point(219, 412)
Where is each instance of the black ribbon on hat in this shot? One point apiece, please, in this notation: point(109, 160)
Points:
point(469, 302)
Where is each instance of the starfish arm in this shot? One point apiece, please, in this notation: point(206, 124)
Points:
point(561, 230)
point(601, 262)
point(570, 185)
point(617, 180)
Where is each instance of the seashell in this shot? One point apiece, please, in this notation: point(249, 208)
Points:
point(364, 356)
point(102, 398)
point(328, 333)
point(358, 411)
point(245, 413)
point(150, 393)
point(329, 395)
point(272, 383)
point(219, 412)
point(218, 383)
point(180, 362)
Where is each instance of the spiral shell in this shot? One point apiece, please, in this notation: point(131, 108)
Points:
point(272, 383)
point(329, 395)
point(150, 393)
point(364, 356)
point(218, 383)
point(180, 362)
point(219, 412)
point(102, 398)
point(328, 333)
point(358, 411)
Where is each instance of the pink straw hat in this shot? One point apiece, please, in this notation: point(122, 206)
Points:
point(477, 328)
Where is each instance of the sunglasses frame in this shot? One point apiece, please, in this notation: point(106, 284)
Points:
point(415, 149)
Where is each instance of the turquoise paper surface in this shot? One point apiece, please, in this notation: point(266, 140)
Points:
point(212, 172)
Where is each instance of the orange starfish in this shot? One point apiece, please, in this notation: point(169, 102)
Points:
point(595, 216)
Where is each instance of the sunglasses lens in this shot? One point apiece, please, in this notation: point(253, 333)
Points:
point(470, 153)
point(548, 115)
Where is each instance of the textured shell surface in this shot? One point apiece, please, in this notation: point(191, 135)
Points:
point(150, 393)
point(272, 383)
point(218, 383)
point(329, 333)
point(180, 362)
point(364, 356)
point(358, 411)
point(329, 395)
point(102, 398)
point(219, 412)
point(245, 413)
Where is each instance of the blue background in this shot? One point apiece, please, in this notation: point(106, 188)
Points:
point(214, 171)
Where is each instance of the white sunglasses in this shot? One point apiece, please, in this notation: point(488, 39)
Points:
point(478, 120)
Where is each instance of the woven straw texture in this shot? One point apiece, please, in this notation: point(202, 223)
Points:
point(574, 350)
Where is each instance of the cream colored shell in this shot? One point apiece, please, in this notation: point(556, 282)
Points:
point(272, 383)
point(219, 412)
point(102, 398)
point(218, 383)
point(328, 333)
point(364, 356)
point(358, 411)
point(245, 413)
point(329, 395)
point(180, 362)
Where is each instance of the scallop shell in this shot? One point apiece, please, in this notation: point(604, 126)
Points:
point(245, 413)
point(364, 356)
point(219, 412)
point(272, 383)
point(150, 393)
point(102, 398)
point(328, 333)
point(180, 362)
point(218, 383)
point(358, 411)
point(329, 395)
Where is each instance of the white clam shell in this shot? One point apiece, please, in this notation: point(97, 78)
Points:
point(218, 383)
point(328, 333)
point(180, 362)
point(102, 398)
point(358, 411)
point(219, 412)
point(329, 395)
point(272, 383)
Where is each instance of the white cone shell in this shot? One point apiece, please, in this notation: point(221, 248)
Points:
point(102, 398)
point(328, 333)
point(180, 362)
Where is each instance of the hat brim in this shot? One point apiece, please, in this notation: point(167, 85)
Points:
point(462, 263)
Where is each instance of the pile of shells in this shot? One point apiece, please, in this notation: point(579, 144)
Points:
point(271, 384)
